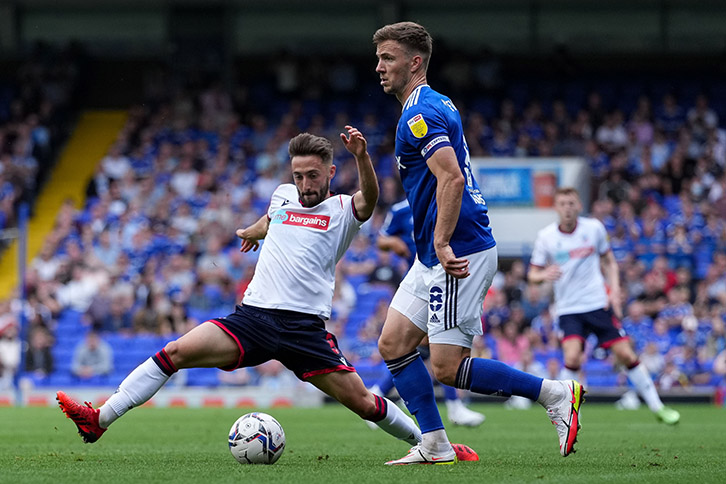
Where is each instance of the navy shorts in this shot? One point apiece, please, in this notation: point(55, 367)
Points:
point(297, 340)
point(601, 322)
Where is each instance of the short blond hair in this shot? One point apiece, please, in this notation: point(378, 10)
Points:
point(567, 191)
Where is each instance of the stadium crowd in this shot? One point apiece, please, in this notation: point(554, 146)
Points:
point(152, 252)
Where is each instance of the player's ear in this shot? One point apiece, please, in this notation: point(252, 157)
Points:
point(332, 172)
point(416, 63)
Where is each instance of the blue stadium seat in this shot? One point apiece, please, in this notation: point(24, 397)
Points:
point(202, 377)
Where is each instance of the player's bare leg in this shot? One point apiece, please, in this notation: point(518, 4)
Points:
point(207, 346)
point(348, 388)
point(643, 383)
point(572, 355)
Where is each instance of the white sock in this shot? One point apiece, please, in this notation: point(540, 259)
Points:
point(567, 374)
point(138, 387)
point(399, 424)
point(645, 387)
point(436, 442)
point(552, 391)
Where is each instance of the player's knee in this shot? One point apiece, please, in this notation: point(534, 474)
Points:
point(172, 349)
point(386, 348)
point(626, 357)
point(363, 405)
point(445, 372)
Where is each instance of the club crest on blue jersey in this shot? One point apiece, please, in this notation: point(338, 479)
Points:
point(418, 126)
point(436, 298)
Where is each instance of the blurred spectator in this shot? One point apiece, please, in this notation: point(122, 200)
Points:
point(38, 355)
point(115, 164)
point(677, 308)
point(535, 301)
point(496, 311)
point(652, 358)
point(719, 366)
point(637, 325)
point(361, 258)
point(528, 364)
point(92, 357)
point(515, 283)
point(671, 376)
point(511, 344)
point(10, 346)
point(177, 321)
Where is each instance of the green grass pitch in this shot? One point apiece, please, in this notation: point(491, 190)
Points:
point(330, 444)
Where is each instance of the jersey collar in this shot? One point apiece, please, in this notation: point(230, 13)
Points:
point(413, 93)
point(559, 227)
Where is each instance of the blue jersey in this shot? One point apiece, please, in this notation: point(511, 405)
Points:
point(430, 121)
point(399, 223)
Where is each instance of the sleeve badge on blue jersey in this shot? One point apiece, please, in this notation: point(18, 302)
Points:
point(418, 126)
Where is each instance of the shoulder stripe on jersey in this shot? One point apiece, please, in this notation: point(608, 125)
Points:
point(413, 97)
point(400, 205)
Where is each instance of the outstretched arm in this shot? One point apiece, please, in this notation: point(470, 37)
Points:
point(539, 274)
point(611, 271)
point(449, 190)
point(253, 234)
point(364, 199)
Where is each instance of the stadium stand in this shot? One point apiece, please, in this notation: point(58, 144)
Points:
point(152, 250)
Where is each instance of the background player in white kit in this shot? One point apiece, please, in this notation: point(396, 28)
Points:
point(306, 231)
point(456, 259)
point(573, 253)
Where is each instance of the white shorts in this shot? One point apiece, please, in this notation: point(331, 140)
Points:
point(448, 309)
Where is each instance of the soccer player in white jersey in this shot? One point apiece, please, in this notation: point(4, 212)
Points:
point(573, 253)
point(306, 230)
point(456, 259)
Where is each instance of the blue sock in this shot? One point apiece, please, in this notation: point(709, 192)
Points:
point(413, 383)
point(491, 377)
point(449, 392)
point(385, 383)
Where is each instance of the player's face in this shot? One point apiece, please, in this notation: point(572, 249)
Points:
point(393, 66)
point(312, 179)
point(568, 207)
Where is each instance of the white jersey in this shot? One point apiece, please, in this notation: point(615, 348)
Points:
point(296, 268)
point(581, 288)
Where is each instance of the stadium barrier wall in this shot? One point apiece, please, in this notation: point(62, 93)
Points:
point(220, 397)
point(308, 396)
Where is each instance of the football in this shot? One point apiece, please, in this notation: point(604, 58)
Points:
point(256, 438)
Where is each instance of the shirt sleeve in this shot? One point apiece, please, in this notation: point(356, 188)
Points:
point(603, 239)
point(539, 253)
point(276, 201)
point(349, 213)
point(427, 131)
point(387, 227)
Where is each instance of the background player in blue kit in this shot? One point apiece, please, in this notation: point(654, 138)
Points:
point(396, 235)
point(442, 294)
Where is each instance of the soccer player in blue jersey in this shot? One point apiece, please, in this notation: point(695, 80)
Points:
point(442, 294)
point(396, 235)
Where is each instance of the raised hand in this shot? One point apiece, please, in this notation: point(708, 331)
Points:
point(355, 143)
